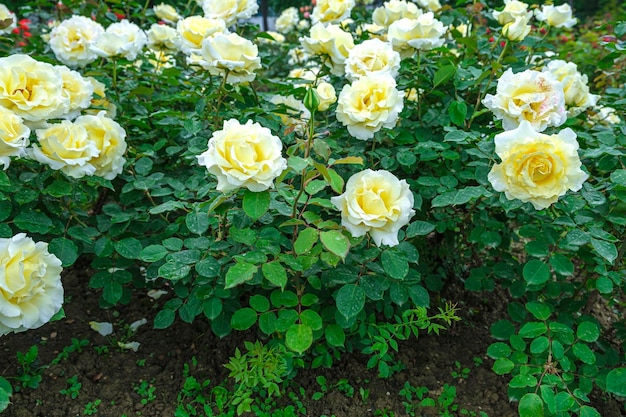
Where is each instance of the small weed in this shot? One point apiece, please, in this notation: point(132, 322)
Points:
point(146, 391)
point(76, 346)
point(91, 408)
point(29, 375)
point(101, 350)
point(460, 372)
point(141, 362)
point(478, 361)
point(74, 387)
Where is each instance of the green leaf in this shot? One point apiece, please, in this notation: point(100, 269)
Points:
point(539, 310)
point(239, 273)
point(350, 300)
point(564, 402)
point(299, 337)
point(584, 353)
point(443, 74)
point(212, 308)
point(523, 381)
point(503, 366)
point(457, 112)
point(112, 292)
point(533, 329)
point(311, 319)
point(6, 390)
point(619, 177)
point(256, 205)
point(530, 406)
point(502, 330)
point(153, 253)
point(259, 303)
point(243, 319)
point(499, 350)
point(419, 228)
point(536, 272)
point(395, 263)
point(587, 411)
point(305, 241)
point(588, 331)
point(275, 273)
point(197, 222)
point(616, 382)
point(267, 322)
point(335, 336)
point(164, 319)
point(561, 264)
point(58, 189)
point(335, 242)
point(65, 250)
point(208, 267)
point(129, 248)
point(174, 271)
point(539, 345)
point(605, 249)
point(33, 221)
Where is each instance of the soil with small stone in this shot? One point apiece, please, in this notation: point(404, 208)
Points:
point(113, 376)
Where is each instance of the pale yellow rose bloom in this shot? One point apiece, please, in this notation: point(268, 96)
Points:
point(99, 101)
point(409, 35)
point(326, 95)
point(375, 202)
point(536, 168)
point(74, 39)
point(166, 13)
point(517, 30)
point(65, 146)
point(556, 16)
point(297, 115)
point(512, 10)
point(604, 115)
point(31, 292)
point(162, 38)
point(393, 10)
point(534, 96)
point(373, 56)
point(6, 14)
point(31, 89)
point(110, 140)
point(123, 39)
point(369, 104)
point(195, 29)
point(332, 11)
point(14, 136)
point(575, 87)
point(230, 10)
point(230, 56)
point(78, 90)
point(287, 21)
point(276, 38)
point(306, 74)
point(246, 155)
point(329, 40)
point(430, 5)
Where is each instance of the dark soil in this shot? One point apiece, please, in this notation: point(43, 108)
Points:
point(111, 377)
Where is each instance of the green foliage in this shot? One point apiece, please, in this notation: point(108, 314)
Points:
point(73, 389)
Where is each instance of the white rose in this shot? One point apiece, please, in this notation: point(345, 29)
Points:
point(30, 284)
point(303, 24)
point(577, 96)
point(556, 16)
point(100, 100)
point(375, 202)
point(332, 41)
point(109, 138)
point(393, 10)
point(605, 115)
point(232, 56)
point(512, 10)
point(78, 90)
point(517, 30)
point(332, 11)
point(73, 40)
point(534, 96)
point(67, 147)
point(14, 136)
point(306, 74)
point(430, 5)
point(373, 56)
point(6, 14)
point(369, 104)
point(122, 38)
point(297, 115)
point(244, 156)
point(195, 29)
point(31, 89)
point(536, 168)
point(288, 20)
point(230, 10)
point(163, 38)
point(276, 38)
point(326, 95)
point(298, 56)
point(424, 33)
point(166, 13)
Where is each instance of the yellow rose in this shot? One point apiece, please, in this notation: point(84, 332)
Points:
point(67, 147)
point(296, 115)
point(512, 10)
point(6, 14)
point(288, 20)
point(109, 138)
point(14, 136)
point(556, 16)
point(122, 38)
point(244, 156)
point(375, 202)
point(430, 5)
point(604, 115)
point(534, 96)
point(31, 89)
point(329, 40)
point(232, 56)
point(163, 38)
point(517, 30)
point(424, 33)
point(332, 11)
point(230, 10)
point(369, 104)
point(575, 88)
point(373, 56)
point(78, 90)
point(74, 39)
point(99, 100)
point(393, 10)
point(166, 13)
point(30, 284)
point(194, 29)
point(536, 168)
point(326, 95)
